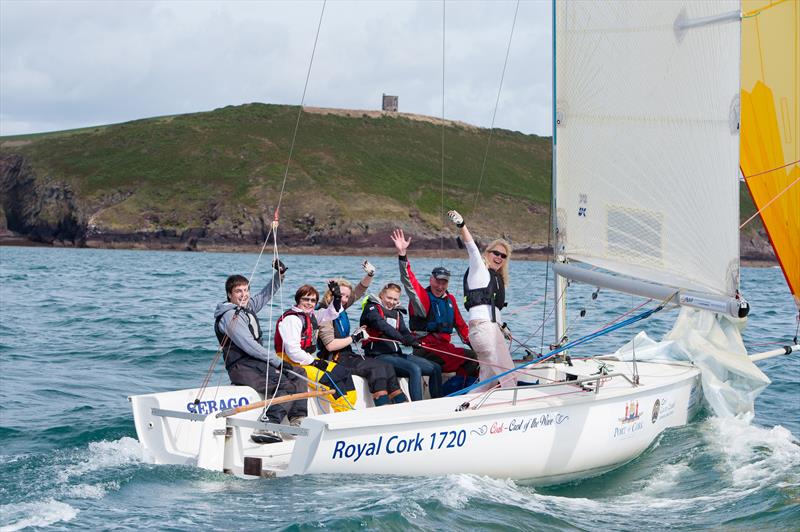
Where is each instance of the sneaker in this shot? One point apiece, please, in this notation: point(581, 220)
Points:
point(265, 436)
point(296, 421)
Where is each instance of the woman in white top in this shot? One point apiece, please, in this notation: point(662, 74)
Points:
point(484, 297)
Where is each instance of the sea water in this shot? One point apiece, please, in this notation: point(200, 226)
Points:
point(80, 330)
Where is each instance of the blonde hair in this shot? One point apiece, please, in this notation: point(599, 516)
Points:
point(390, 286)
point(328, 297)
point(504, 268)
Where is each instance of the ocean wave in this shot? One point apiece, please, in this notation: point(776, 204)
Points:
point(35, 514)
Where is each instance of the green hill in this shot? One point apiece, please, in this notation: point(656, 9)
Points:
point(213, 179)
point(218, 175)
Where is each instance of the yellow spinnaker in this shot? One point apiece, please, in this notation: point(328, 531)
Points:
point(770, 124)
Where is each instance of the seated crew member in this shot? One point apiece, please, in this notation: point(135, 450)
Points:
point(485, 284)
point(247, 361)
point(387, 331)
point(296, 342)
point(433, 314)
point(335, 344)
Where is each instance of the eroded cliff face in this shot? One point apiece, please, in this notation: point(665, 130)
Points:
point(42, 211)
point(50, 212)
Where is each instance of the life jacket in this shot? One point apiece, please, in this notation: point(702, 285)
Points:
point(375, 333)
point(308, 335)
point(341, 329)
point(493, 294)
point(232, 353)
point(441, 315)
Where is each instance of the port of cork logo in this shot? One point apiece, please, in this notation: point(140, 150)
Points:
point(628, 424)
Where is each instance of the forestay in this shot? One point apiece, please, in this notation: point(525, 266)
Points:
point(647, 140)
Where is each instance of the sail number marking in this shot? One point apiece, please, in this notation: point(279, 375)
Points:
point(457, 439)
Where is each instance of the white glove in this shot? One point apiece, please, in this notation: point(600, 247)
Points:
point(456, 218)
point(368, 268)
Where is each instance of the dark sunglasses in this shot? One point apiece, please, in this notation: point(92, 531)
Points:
point(498, 254)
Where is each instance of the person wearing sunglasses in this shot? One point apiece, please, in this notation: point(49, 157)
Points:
point(485, 283)
point(296, 343)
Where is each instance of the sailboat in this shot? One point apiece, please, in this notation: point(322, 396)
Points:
point(646, 144)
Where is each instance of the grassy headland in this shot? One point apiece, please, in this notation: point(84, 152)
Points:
point(214, 179)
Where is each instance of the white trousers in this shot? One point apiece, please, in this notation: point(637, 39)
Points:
point(491, 347)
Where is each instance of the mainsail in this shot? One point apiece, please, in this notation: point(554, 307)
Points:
point(647, 140)
point(647, 166)
point(770, 143)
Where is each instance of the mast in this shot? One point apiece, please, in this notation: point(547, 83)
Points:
point(560, 283)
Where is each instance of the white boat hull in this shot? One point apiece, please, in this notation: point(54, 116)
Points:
point(542, 435)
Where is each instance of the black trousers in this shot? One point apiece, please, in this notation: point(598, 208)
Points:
point(269, 381)
point(380, 376)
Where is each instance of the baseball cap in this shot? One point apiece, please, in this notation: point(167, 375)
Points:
point(442, 273)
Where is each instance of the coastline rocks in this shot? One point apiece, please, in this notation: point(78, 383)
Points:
point(38, 210)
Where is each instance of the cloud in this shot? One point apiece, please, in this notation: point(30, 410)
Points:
point(71, 64)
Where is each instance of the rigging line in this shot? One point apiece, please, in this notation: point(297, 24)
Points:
point(771, 169)
point(797, 329)
point(300, 110)
point(612, 322)
point(220, 352)
point(569, 345)
point(756, 12)
point(544, 321)
point(524, 308)
point(770, 202)
point(496, 105)
point(547, 267)
point(226, 338)
point(274, 224)
point(270, 328)
point(433, 349)
point(273, 227)
point(210, 371)
point(550, 244)
point(441, 208)
point(219, 383)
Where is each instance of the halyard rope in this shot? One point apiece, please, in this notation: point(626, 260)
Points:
point(569, 345)
point(274, 225)
point(496, 105)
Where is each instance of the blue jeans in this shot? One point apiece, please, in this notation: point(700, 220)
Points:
point(414, 368)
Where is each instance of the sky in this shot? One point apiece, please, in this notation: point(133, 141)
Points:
point(70, 64)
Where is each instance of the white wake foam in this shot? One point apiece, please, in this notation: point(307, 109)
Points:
point(103, 455)
point(35, 514)
point(754, 457)
point(70, 467)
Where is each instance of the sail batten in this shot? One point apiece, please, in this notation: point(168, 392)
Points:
point(648, 164)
